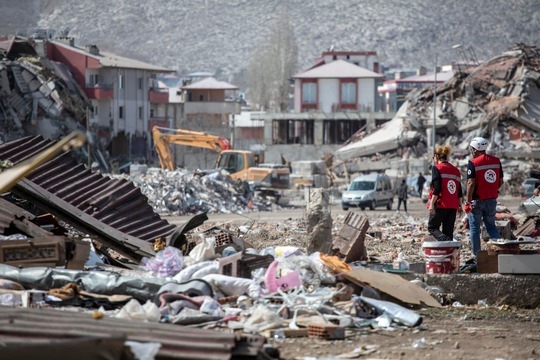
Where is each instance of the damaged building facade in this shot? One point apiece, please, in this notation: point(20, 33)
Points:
point(37, 95)
point(50, 86)
point(120, 91)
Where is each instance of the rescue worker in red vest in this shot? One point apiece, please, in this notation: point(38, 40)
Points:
point(445, 196)
point(484, 178)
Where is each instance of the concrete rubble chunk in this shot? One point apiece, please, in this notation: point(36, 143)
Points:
point(319, 221)
point(349, 241)
point(480, 100)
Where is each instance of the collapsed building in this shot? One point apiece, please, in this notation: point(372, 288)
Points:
point(40, 97)
point(498, 99)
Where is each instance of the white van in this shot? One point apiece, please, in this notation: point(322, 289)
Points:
point(370, 190)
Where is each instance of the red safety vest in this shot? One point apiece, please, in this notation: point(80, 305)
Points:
point(488, 174)
point(450, 185)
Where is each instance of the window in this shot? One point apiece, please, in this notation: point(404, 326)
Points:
point(348, 93)
point(140, 112)
point(293, 131)
point(120, 112)
point(232, 162)
point(94, 79)
point(201, 97)
point(95, 111)
point(151, 113)
point(121, 81)
point(339, 131)
point(140, 82)
point(309, 93)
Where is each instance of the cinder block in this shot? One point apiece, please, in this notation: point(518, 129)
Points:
point(519, 264)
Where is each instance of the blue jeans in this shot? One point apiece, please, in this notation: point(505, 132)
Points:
point(486, 210)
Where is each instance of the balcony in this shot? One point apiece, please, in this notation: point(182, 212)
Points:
point(99, 91)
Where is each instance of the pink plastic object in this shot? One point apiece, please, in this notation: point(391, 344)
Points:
point(286, 282)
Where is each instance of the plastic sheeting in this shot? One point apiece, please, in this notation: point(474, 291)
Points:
point(100, 282)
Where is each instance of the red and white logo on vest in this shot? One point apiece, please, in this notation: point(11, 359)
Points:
point(490, 176)
point(451, 186)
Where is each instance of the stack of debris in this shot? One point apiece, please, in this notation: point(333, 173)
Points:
point(38, 96)
point(182, 192)
point(498, 99)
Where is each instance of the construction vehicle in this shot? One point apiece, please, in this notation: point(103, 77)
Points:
point(240, 164)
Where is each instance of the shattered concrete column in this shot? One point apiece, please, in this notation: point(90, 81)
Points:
point(319, 221)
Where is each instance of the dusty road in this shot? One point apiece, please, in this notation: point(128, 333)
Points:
point(415, 208)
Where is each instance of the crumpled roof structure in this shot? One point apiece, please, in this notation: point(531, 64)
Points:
point(498, 99)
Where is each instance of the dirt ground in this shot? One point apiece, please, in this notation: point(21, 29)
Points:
point(452, 332)
point(448, 333)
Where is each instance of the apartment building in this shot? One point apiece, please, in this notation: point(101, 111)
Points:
point(121, 92)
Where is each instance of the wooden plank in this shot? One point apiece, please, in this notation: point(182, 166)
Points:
point(393, 285)
point(487, 263)
point(31, 229)
point(30, 252)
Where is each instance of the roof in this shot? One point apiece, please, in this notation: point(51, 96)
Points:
point(115, 210)
point(210, 83)
point(115, 61)
point(338, 69)
point(426, 78)
point(37, 329)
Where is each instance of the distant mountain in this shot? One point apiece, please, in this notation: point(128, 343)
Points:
point(219, 36)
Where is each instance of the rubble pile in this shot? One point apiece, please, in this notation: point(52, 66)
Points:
point(255, 278)
point(37, 96)
point(498, 99)
point(182, 192)
point(224, 283)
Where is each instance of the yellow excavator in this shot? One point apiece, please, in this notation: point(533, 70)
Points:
point(240, 164)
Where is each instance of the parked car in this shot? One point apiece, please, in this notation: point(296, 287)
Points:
point(528, 186)
point(370, 190)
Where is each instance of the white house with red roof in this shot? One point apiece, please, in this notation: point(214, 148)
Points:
point(336, 86)
point(333, 99)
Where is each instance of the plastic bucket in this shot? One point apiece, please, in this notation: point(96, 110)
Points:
point(442, 257)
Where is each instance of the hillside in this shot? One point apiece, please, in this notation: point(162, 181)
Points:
point(219, 36)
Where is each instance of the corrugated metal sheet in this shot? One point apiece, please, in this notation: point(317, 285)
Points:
point(26, 325)
point(114, 203)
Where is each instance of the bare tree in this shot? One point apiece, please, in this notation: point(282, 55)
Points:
point(273, 65)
